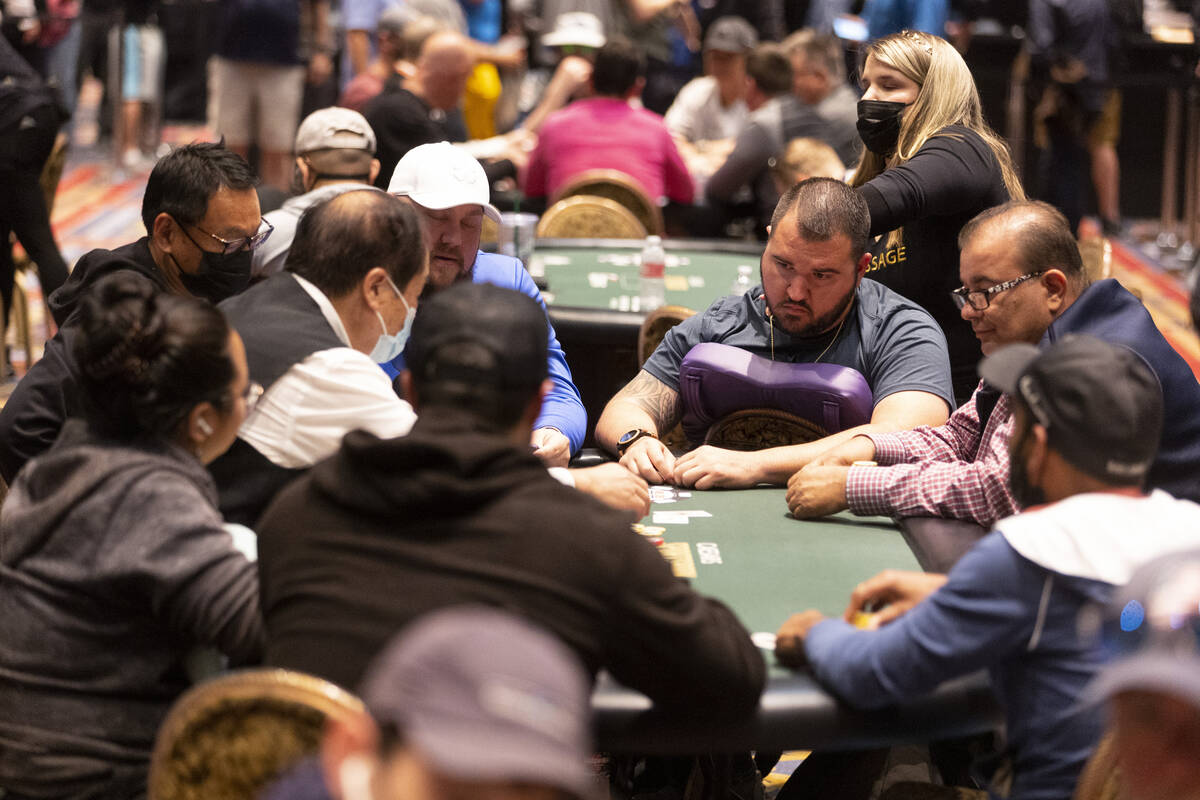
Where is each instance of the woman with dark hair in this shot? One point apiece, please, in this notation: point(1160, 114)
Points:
point(114, 562)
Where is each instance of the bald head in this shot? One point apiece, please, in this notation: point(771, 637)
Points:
point(339, 240)
point(1038, 234)
point(446, 61)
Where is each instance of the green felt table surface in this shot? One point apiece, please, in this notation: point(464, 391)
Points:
point(773, 565)
point(606, 276)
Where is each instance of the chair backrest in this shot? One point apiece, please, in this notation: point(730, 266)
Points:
point(232, 736)
point(760, 428)
point(619, 187)
point(650, 335)
point(1097, 258)
point(589, 217)
point(655, 327)
point(716, 380)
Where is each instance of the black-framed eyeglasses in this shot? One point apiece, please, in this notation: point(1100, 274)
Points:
point(981, 298)
point(229, 247)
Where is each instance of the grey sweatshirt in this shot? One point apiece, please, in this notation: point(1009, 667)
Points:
point(113, 565)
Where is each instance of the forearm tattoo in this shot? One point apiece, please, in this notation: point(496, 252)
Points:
point(657, 399)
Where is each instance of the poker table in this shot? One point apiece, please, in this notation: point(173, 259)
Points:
point(591, 286)
point(765, 565)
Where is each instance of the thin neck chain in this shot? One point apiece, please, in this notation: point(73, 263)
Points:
point(836, 334)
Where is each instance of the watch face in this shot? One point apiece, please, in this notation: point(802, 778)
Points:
point(629, 436)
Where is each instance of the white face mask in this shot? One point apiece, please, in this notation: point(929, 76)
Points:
point(354, 778)
point(390, 345)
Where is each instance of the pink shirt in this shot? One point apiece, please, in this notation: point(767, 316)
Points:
point(607, 133)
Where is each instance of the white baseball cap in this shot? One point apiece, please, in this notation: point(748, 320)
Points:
point(441, 176)
point(577, 28)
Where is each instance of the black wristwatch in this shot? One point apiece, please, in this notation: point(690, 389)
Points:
point(631, 436)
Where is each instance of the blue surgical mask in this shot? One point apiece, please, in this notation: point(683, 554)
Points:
point(390, 345)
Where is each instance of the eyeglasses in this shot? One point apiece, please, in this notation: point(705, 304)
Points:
point(981, 299)
point(228, 247)
point(251, 395)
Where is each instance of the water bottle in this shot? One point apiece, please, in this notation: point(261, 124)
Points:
point(744, 280)
point(651, 292)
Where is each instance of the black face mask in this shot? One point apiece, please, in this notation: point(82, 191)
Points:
point(219, 276)
point(1024, 492)
point(879, 125)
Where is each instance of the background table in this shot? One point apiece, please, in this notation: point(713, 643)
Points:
point(771, 566)
point(597, 329)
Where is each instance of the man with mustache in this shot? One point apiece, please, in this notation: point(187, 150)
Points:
point(813, 306)
point(450, 191)
point(1023, 281)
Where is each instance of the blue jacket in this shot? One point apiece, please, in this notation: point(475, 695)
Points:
point(1109, 312)
point(1011, 605)
point(563, 408)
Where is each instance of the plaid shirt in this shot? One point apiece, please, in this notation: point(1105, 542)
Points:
point(953, 471)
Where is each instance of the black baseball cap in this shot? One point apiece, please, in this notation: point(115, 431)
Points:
point(508, 329)
point(1100, 403)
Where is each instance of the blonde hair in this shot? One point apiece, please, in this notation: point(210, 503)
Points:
point(805, 157)
point(952, 99)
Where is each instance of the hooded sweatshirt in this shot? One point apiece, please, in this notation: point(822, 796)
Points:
point(47, 395)
point(387, 530)
point(114, 564)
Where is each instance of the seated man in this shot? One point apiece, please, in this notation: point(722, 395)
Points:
point(813, 305)
point(202, 220)
point(431, 733)
point(313, 335)
point(776, 117)
point(710, 111)
point(1023, 281)
point(459, 511)
point(426, 107)
point(335, 153)
point(606, 132)
point(450, 191)
point(1089, 415)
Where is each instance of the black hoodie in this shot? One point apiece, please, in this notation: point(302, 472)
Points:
point(386, 530)
point(48, 395)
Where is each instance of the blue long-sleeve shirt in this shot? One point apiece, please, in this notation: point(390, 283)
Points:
point(563, 408)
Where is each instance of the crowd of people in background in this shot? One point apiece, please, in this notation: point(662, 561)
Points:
point(307, 412)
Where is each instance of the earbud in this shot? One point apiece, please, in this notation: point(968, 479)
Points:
point(204, 427)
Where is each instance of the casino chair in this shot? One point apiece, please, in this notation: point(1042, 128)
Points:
point(760, 428)
point(654, 328)
point(19, 316)
point(230, 737)
point(619, 187)
point(740, 401)
point(489, 235)
point(589, 217)
point(1096, 253)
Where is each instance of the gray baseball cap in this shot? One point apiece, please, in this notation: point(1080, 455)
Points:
point(334, 128)
point(485, 696)
point(731, 35)
point(1100, 403)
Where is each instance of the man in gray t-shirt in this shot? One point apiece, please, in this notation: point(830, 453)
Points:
point(813, 305)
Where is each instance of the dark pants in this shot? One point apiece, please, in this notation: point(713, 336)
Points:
point(23, 208)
